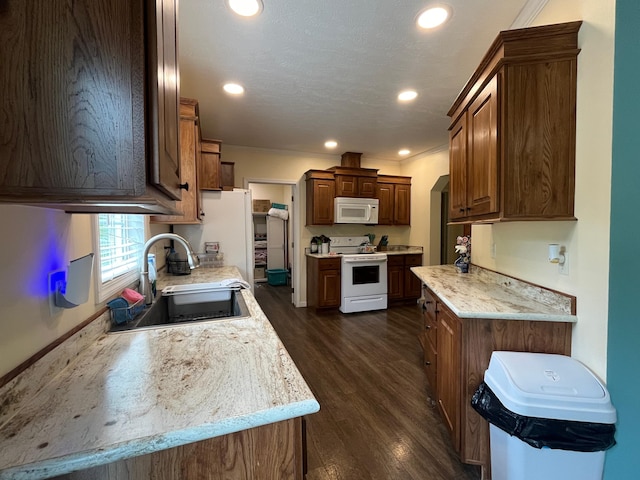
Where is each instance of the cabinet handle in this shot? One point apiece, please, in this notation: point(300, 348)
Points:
point(427, 363)
point(462, 210)
point(185, 186)
point(427, 327)
point(428, 301)
point(437, 311)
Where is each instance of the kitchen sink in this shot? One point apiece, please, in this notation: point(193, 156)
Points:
point(196, 306)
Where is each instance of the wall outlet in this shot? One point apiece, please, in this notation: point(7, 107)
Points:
point(56, 279)
point(564, 268)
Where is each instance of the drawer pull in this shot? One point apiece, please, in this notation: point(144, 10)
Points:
point(427, 363)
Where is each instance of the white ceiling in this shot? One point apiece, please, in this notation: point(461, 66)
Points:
point(320, 69)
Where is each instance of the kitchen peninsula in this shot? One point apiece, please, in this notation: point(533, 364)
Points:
point(466, 317)
point(210, 399)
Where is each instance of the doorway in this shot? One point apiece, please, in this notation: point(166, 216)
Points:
point(442, 235)
point(274, 246)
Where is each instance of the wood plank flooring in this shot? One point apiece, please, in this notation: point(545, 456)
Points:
point(365, 369)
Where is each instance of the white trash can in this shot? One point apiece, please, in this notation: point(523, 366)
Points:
point(550, 417)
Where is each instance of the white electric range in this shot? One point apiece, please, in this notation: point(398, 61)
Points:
point(363, 275)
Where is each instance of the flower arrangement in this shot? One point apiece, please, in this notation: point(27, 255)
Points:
point(463, 248)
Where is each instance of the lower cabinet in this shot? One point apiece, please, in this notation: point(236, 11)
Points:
point(271, 451)
point(429, 338)
point(457, 353)
point(323, 282)
point(402, 284)
point(449, 373)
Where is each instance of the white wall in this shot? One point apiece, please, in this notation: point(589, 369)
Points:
point(38, 241)
point(521, 248)
point(425, 170)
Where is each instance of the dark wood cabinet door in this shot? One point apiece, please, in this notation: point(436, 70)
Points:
point(448, 372)
point(385, 206)
point(329, 285)
point(165, 96)
point(73, 95)
point(412, 284)
point(320, 195)
point(367, 187)
point(346, 186)
point(90, 105)
point(482, 156)
point(458, 169)
point(402, 205)
point(395, 282)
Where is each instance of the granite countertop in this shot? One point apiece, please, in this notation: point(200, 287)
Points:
point(136, 392)
point(482, 293)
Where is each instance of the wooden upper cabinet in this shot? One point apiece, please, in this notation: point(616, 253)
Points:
point(482, 153)
point(512, 136)
point(458, 168)
point(355, 182)
point(321, 191)
point(165, 96)
point(88, 123)
point(190, 206)
point(210, 174)
point(394, 195)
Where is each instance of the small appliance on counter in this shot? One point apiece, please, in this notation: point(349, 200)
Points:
point(177, 265)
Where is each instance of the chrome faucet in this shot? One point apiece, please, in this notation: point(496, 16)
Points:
point(192, 258)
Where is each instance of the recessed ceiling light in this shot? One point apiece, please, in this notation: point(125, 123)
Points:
point(433, 17)
point(233, 88)
point(407, 95)
point(246, 8)
point(404, 151)
point(331, 144)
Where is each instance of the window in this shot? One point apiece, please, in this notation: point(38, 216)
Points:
point(119, 240)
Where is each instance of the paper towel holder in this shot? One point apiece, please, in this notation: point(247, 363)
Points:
point(72, 289)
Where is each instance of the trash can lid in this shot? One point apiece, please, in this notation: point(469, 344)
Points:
point(548, 386)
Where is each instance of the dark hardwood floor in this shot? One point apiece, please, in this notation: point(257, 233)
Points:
point(376, 420)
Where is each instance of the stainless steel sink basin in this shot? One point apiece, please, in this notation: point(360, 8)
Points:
point(192, 307)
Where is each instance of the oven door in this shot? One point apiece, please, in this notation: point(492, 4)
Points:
point(364, 274)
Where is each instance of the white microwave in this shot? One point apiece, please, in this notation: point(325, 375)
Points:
point(356, 210)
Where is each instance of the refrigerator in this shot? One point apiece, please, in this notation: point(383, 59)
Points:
point(228, 221)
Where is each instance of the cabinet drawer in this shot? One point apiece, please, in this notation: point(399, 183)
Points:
point(413, 260)
point(395, 260)
point(329, 263)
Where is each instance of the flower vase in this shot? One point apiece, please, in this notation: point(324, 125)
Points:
point(462, 264)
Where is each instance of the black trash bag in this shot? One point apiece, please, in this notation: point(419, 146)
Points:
point(543, 432)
